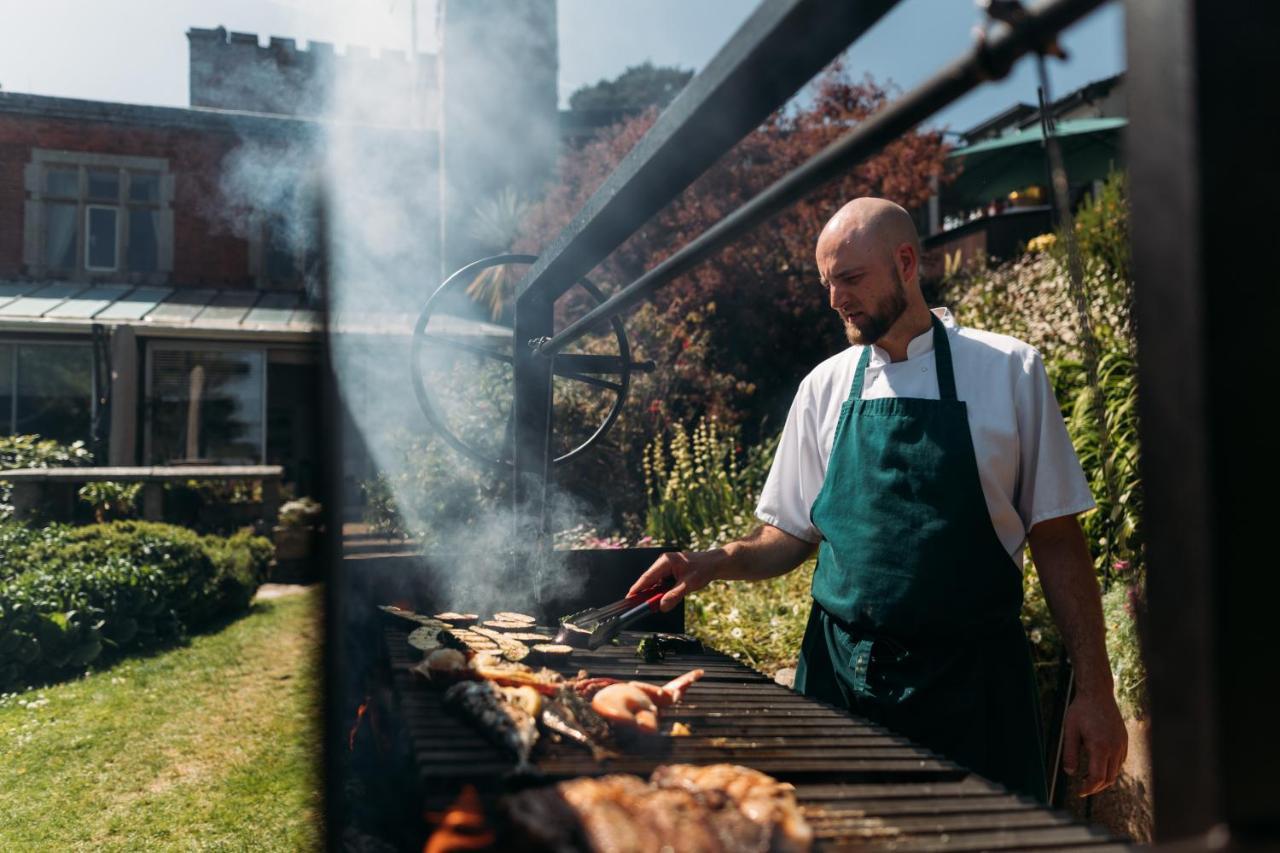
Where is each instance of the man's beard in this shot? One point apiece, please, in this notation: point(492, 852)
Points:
point(880, 320)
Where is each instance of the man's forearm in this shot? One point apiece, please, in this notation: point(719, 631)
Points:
point(765, 552)
point(1071, 589)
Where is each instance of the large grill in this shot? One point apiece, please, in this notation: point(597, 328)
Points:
point(861, 787)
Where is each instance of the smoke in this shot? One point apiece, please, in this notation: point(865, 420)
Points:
point(387, 198)
point(408, 158)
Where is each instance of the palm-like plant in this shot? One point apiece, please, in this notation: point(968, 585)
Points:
point(496, 223)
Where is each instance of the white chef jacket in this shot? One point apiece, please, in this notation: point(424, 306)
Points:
point(1028, 468)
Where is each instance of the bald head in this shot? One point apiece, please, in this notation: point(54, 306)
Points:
point(874, 224)
point(869, 259)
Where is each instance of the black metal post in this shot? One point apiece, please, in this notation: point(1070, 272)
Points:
point(532, 416)
point(1202, 140)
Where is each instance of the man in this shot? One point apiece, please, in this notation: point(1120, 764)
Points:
point(918, 462)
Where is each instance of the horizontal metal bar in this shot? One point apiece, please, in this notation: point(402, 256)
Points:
point(779, 48)
point(987, 60)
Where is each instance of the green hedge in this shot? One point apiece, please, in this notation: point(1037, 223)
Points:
point(70, 596)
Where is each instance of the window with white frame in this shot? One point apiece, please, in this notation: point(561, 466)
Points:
point(91, 214)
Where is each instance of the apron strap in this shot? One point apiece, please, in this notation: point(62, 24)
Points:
point(941, 355)
point(942, 358)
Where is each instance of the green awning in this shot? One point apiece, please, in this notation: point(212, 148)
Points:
point(993, 168)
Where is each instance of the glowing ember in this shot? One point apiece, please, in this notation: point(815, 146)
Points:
point(351, 738)
point(459, 827)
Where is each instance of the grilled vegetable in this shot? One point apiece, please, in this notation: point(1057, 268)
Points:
point(407, 615)
point(461, 620)
point(512, 650)
point(425, 639)
point(508, 616)
point(529, 637)
point(504, 625)
point(552, 652)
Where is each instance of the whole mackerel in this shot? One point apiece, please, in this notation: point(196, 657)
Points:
point(510, 727)
point(572, 716)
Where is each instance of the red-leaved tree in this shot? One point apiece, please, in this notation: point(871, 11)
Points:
point(733, 337)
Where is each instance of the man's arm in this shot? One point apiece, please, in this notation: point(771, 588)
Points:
point(765, 552)
point(1093, 720)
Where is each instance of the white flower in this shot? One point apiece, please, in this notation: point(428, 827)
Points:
point(733, 615)
point(736, 633)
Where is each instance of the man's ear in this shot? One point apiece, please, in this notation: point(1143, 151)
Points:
point(908, 261)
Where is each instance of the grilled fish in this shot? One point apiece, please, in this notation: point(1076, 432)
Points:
point(509, 724)
point(572, 716)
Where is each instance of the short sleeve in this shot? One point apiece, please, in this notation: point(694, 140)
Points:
point(796, 475)
point(1051, 482)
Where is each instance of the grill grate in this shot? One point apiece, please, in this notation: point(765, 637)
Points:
point(860, 786)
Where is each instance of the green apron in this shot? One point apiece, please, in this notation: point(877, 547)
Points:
point(916, 601)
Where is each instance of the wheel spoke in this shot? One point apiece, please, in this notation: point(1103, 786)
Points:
point(468, 347)
point(616, 387)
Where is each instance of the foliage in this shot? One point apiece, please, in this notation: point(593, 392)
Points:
point(111, 500)
point(760, 623)
point(70, 595)
point(732, 337)
point(32, 451)
point(381, 512)
point(213, 745)
point(301, 512)
point(429, 494)
point(1029, 299)
point(702, 491)
point(638, 87)
point(1122, 609)
point(698, 494)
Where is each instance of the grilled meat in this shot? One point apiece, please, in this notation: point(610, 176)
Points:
point(760, 798)
point(507, 723)
point(635, 704)
point(623, 814)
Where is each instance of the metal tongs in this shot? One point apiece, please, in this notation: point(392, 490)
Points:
point(592, 628)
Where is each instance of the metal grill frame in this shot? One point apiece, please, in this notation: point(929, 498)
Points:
point(860, 786)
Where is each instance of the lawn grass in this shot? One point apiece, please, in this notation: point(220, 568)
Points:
point(760, 623)
point(212, 746)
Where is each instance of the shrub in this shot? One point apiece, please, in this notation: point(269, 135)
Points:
point(32, 451)
point(111, 500)
point(70, 596)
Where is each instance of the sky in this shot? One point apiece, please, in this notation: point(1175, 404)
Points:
point(135, 51)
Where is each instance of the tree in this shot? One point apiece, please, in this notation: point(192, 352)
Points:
point(637, 88)
point(734, 336)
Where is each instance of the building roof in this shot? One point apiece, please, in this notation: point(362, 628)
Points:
point(261, 315)
point(1035, 133)
point(179, 118)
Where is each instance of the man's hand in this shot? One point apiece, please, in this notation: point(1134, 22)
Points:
point(1094, 730)
point(766, 552)
point(1094, 736)
point(692, 570)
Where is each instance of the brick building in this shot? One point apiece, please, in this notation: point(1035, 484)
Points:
point(159, 266)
